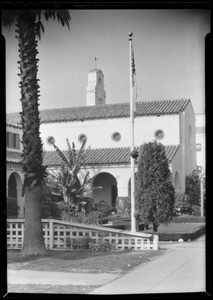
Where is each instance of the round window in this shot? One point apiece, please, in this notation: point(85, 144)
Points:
point(159, 134)
point(82, 138)
point(116, 136)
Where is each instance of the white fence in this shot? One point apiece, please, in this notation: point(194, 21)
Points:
point(60, 235)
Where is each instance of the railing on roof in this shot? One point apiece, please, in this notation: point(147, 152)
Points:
point(57, 234)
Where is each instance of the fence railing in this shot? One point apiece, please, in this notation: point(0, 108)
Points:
point(60, 234)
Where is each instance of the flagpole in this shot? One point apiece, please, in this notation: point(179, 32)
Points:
point(133, 220)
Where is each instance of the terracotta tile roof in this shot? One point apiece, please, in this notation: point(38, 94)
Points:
point(106, 156)
point(14, 157)
point(10, 123)
point(108, 111)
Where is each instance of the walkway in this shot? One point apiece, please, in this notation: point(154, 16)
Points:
point(182, 269)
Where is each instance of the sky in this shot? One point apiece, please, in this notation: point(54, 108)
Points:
point(169, 56)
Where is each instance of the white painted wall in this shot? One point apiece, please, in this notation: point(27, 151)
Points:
point(99, 132)
point(201, 139)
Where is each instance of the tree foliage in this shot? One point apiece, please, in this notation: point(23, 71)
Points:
point(154, 189)
point(192, 189)
point(71, 182)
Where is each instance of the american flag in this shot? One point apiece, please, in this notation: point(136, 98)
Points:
point(134, 85)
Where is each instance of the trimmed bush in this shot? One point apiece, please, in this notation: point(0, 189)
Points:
point(185, 236)
point(188, 219)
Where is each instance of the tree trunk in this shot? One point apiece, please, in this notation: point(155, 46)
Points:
point(33, 234)
point(34, 171)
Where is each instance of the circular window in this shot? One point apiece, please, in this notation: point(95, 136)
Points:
point(116, 136)
point(159, 134)
point(82, 138)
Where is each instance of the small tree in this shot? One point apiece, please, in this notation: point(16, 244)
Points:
point(154, 190)
point(70, 182)
point(193, 188)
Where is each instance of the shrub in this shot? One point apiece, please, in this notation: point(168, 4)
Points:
point(188, 219)
point(78, 243)
point(49, 208)
point(102, 245)
point(123, 207)
point(185, 236)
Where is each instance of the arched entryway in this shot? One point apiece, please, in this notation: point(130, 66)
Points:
point(177, 182)
point(14, 193)
point(12, 186)
point(106, 188)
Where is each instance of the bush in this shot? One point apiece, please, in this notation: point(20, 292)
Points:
point(102, 245)
point(49, 208)
point(188, 219)
point(78, 243)
point(185, 236)
point(123, 207)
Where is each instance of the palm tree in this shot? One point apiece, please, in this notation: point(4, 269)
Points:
point(29, 29)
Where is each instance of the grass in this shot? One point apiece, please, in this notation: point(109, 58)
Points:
point(119, 262)
point(49, 289)
point(81, 261)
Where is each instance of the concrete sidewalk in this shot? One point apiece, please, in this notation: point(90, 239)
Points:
point(181, 269)
point(58, 278)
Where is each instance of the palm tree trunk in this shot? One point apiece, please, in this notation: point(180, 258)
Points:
point(33, 237)
point(33, 169)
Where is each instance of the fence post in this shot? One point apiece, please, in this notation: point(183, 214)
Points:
point(155, 241)
point(51, 234)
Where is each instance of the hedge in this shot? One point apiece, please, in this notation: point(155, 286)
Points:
point(185, 236)
point(188, 219)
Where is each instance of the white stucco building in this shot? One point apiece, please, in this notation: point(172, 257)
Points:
point(107, 129)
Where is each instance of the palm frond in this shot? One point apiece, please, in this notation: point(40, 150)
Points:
point(63, 16)
point(61, 154)
point(80, 155)
point(70, 153)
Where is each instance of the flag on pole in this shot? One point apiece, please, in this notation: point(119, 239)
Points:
point(134, 85)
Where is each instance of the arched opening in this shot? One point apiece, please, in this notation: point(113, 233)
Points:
point(177, 183)
point(12, 203)
point(12, 186)
point(15, 202)
point(106, 188)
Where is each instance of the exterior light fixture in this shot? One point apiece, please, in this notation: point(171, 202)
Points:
point(134, 154)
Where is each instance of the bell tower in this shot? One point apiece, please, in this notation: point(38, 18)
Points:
point(95, 88)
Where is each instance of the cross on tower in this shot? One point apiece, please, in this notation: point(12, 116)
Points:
point(95, 62)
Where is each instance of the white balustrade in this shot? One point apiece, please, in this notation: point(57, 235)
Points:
point(62, 235)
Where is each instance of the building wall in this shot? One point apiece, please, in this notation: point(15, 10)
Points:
point(12, 129)
point(99, 132)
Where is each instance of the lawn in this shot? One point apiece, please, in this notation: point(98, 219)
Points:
point(119, 262)
point(82, 261)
